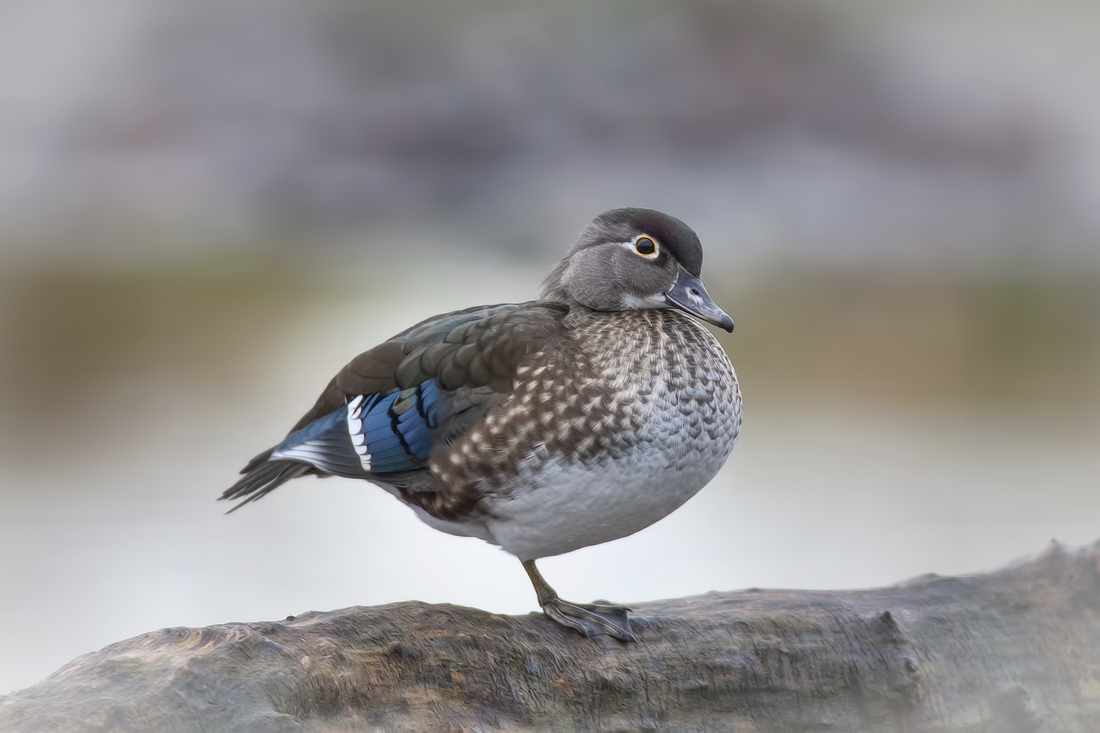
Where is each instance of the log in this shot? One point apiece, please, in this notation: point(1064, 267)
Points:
point(1016, 650)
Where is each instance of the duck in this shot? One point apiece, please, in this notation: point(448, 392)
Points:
point(576, 418)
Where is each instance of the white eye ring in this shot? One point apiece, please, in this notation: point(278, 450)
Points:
point(644, 245)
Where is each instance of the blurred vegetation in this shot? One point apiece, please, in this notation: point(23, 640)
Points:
point(812, 130)
point(67, 338)
point(910, 339)
point(1009, 341)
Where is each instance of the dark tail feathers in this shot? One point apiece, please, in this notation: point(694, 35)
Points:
point(261, 477)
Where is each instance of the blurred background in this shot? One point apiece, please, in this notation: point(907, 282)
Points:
point(208, 207)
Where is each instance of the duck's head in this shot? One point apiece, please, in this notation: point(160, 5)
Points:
point(630, 259)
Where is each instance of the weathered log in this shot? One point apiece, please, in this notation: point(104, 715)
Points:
point(1012, 651)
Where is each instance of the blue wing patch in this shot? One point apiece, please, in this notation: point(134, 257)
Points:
point(387, 432)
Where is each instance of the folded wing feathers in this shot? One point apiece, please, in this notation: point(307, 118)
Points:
point(422, 388)
point(382, 433)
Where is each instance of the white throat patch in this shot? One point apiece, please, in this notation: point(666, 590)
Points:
point(649, 302)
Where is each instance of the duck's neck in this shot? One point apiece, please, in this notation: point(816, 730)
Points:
point(643, 343)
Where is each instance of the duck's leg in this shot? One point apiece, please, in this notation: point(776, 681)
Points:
point(589, 619)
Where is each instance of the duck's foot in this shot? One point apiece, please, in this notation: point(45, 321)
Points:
point(590, 619)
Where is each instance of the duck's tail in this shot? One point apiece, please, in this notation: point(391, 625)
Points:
point(262, 476)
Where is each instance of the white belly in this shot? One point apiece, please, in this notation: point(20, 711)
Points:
point(577, 506)
point(574, 506)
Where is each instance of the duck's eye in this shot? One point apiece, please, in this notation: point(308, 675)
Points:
point(645, 246)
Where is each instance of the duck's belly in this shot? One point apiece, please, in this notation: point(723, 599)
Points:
point(570, 506)
point(553, 505)
point(566, 506)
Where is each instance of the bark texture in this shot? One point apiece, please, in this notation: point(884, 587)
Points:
point(1012, 651)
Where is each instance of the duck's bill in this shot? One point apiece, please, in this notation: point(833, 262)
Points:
point(688, 294)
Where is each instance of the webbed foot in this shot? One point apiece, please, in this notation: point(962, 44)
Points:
point(590, 619)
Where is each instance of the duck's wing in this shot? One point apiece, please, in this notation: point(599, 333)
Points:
point(386, 411)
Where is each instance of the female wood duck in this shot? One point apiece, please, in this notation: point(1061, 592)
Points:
point(546, 426)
